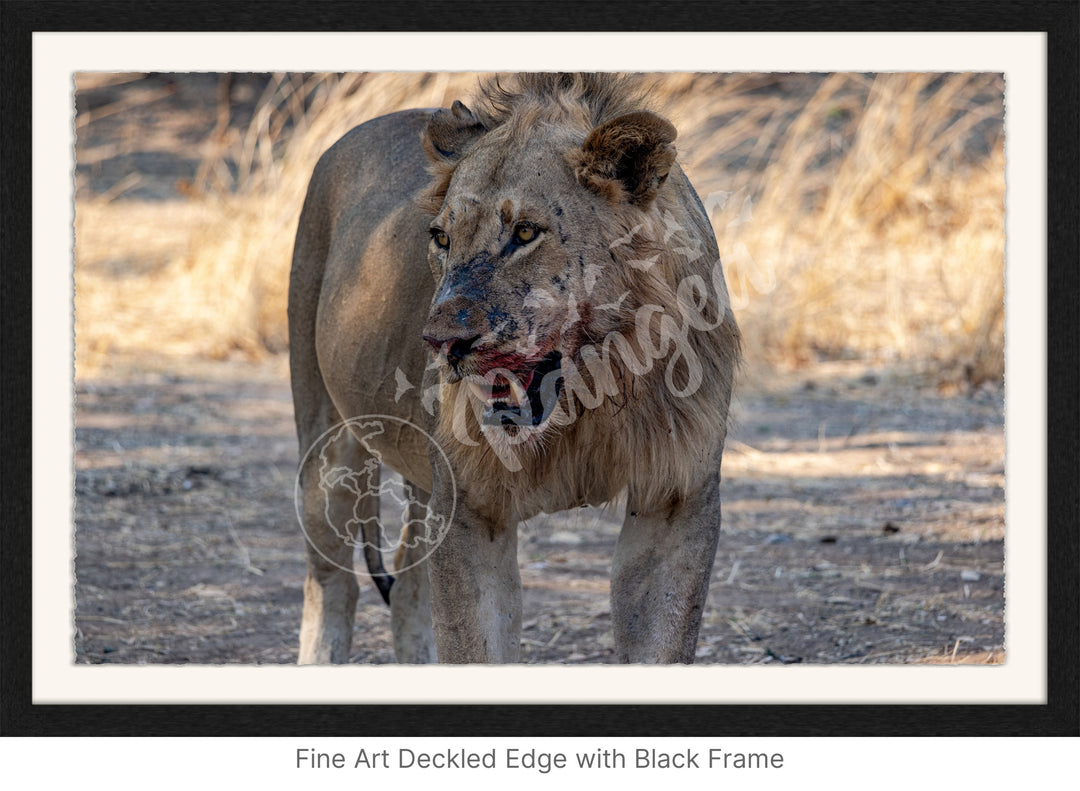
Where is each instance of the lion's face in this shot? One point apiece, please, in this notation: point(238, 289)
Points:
point(518, 254)
point(510, 254)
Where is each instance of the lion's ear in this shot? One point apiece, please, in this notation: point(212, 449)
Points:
point(627, 158)
point(450, 133)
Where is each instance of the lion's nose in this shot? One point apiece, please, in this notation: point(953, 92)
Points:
point(455, 349)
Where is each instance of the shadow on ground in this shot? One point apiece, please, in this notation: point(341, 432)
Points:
point(863, 523)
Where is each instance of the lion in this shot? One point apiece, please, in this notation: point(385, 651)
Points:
point(536, 285)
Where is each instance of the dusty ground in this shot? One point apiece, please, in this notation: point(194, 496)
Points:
point(863, 523)
point(863, 509)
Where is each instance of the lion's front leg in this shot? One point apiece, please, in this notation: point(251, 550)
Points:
point(476, 591)
point(660, 578)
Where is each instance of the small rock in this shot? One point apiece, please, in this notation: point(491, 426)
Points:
point(970, 576)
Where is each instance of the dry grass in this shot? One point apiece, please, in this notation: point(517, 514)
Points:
point(875, 227)
point(858, 216)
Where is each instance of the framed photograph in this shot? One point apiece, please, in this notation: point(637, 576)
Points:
point(887, 214)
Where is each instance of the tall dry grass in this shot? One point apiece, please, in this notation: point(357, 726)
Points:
point(876, 227)
point(857, 215)
point(221, 287)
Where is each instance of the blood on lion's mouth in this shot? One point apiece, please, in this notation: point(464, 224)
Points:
point(523, 397)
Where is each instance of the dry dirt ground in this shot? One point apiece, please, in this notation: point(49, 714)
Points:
point(863, 509)
point(863, 523)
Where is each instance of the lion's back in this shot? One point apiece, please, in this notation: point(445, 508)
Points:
point(359, 273)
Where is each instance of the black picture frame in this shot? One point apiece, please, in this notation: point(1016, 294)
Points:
point(1059, 716)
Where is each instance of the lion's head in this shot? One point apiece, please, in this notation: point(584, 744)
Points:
point(554, 222)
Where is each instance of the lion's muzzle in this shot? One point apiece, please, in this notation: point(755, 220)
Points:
point(514, 388)
point(454, 350)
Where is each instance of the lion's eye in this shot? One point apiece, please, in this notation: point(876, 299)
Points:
point(524, 234)
point(440, 238)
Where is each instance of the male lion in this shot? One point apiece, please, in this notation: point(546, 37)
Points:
point(535, 283)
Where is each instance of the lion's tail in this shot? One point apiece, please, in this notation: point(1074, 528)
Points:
point(372, 535)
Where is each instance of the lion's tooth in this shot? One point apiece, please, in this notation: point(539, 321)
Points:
point(517, 392)
point(479, 392)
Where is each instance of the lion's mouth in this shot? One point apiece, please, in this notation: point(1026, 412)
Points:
point(523, 397)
